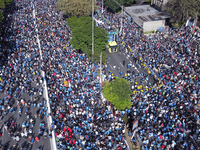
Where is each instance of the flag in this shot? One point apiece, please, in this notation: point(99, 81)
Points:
point(135, 124)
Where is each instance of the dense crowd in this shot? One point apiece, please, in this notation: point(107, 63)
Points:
point(168, 116)
point(22, 107)
point(80, 118)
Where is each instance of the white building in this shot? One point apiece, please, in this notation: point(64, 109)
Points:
point(146, 17)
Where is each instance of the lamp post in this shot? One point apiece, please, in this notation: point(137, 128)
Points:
point(100, 68)
point(121, 19)
point(122, 14)
point(92, 29)
point(102, 7)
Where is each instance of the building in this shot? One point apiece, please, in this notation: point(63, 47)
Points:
point(146, 17)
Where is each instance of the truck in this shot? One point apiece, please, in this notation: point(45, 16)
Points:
point(112, 44)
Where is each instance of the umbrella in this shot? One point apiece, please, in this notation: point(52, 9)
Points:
point(17, 138)
point(37, 139)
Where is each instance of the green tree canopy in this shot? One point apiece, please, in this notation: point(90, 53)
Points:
point(75, 7)
point(3, 2)
point(118, 93)
point(181, 10)
point(82, 37)
point(2, 7)
point(115, 7)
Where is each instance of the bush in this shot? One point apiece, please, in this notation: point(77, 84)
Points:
point(118, 93)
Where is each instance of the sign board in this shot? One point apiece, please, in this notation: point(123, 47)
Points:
point(135, 125)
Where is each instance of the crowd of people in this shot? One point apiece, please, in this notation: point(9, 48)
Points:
point(81, 119)
point(168, 117)
point(22, 106)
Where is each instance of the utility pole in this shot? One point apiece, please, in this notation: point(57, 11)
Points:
point(92, 29)
point(100, 67)
point(121, 19)
point(102, 7)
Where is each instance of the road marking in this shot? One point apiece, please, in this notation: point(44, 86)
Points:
point(121, 64)
point(3, 131)
point(111, 67)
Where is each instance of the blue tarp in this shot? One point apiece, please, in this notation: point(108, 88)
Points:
point(161, 29)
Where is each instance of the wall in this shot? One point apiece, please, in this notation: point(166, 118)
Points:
point(153, 25)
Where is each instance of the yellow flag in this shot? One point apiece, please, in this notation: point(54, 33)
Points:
point(65, 83)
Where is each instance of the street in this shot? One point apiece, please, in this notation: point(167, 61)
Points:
point(116, 66)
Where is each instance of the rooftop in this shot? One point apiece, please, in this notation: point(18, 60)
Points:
point(144, 13)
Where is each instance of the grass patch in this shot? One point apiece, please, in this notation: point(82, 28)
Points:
point(149, 32)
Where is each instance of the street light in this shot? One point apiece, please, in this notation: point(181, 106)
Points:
point(100, 68)
point(102, 7)
point(92, 29)
point(122, 14)
point(121, 19)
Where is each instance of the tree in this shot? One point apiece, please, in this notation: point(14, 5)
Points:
point(181, 10)
point(75, 7)
point(115, 7)
point(118, 93)
point(82, 38)
point(2, 8)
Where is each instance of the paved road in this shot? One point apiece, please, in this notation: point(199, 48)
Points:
point(23, 14)
point(116, 59)
point(6, 138)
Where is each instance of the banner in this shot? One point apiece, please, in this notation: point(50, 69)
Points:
point(116, 32)
point(135, 124)
point(134, 133)
point(66, 83)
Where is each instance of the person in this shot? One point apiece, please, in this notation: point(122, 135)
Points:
point(123, 62)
